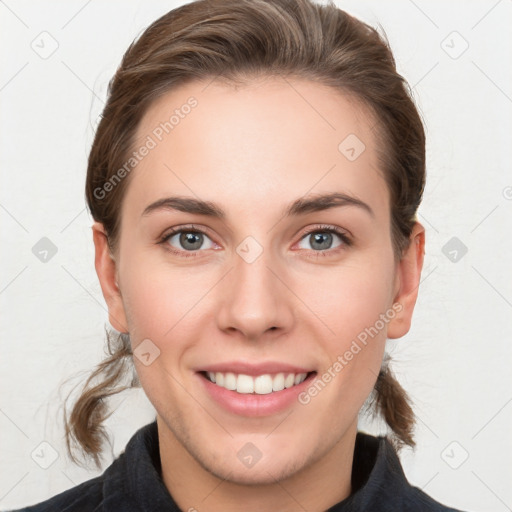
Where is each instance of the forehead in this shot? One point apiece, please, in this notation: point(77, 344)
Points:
point(256, 147)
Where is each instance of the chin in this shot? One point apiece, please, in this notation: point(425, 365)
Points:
point(266, 471)
point(265, 474)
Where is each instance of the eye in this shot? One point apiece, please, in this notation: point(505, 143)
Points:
point(320, 239)
point(183, 240)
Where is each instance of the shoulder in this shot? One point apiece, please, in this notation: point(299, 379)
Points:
point(416, 499)
point(409, 497)
point(381, 483)
point(85, 496)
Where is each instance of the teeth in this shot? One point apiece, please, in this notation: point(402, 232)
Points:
point(289, 381)
point(278, 382)
point(261, 385)
point(244, 384)
point(230, 381)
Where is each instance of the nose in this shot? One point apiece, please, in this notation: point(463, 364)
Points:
point(255, 298)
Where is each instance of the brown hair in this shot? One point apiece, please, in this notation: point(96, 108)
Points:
point(234, 40)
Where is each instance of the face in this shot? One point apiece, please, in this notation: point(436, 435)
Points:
point(264, 288)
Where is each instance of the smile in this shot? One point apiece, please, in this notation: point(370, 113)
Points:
point(260, 384)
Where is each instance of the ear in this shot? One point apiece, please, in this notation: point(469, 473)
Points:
point(106, 270)
point(407, 281)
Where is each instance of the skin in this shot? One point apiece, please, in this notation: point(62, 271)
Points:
point(254, 150)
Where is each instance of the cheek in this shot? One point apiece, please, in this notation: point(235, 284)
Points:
point(160, 308)
point(150, 312)
point(166, 306)
point(354, 306)
point(157, 297)
point(350, 298)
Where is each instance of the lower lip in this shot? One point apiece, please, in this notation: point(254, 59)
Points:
point(249, 404)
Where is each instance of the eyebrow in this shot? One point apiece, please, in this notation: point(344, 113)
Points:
point(301, 206)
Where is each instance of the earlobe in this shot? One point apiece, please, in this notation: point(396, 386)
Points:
point(106, 270)
point(408, 279)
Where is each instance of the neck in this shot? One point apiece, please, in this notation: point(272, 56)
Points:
point(315, 487)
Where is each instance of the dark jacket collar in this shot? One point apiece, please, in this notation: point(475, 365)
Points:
point(134, 482)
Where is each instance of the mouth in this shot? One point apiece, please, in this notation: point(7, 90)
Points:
point(264, 384)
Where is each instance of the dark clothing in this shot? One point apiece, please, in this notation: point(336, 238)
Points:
point(133, 483)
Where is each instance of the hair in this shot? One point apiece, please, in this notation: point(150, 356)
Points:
point(236, 41)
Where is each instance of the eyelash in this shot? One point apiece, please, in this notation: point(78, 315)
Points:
point(347, 242)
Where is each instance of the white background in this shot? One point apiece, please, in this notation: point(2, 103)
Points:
point(454, 361)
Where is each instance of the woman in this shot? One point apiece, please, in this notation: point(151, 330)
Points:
point(254, 182)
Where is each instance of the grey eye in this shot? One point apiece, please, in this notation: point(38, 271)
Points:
point(320, 240)
point(189, 240)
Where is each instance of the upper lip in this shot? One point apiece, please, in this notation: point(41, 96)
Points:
point(248, 368)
